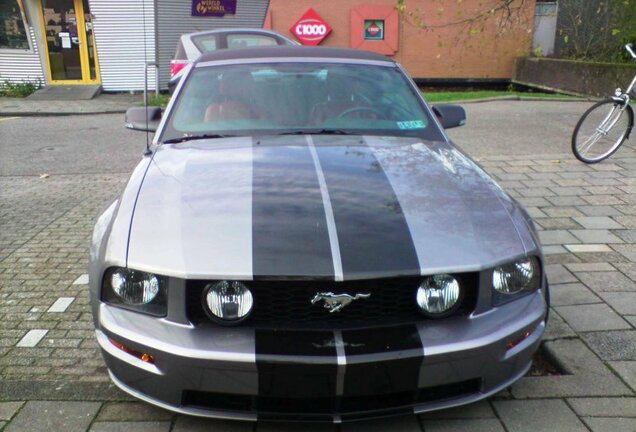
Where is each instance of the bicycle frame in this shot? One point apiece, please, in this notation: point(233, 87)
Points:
point(631, 86)
point(605, 130)
point(629, 89)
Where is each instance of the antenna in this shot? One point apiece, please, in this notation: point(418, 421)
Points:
point(143, 11)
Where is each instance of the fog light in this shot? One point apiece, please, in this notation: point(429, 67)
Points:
point(228, 301)
point(438, 295)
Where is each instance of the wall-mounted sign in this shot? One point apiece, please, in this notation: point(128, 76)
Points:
point(374, 29)
point(310, 29)
point(213, 7)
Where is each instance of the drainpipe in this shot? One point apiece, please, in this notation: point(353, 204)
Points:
point(156, 29)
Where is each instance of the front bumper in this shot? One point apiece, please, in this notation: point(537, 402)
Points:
point(247, 374)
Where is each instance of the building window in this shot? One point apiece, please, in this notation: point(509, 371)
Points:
point(12, 30)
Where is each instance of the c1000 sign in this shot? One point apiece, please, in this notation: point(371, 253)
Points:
point(310, 29)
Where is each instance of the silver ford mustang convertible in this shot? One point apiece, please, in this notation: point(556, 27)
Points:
point(302, 241)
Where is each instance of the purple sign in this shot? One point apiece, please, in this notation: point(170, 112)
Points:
point(213, 7)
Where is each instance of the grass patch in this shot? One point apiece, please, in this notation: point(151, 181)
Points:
point(160, 101)
point(447, 96)
point(18, 89)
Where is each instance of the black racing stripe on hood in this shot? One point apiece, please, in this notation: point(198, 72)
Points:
point(373, 234)
point(368, 377)
point(289, 229)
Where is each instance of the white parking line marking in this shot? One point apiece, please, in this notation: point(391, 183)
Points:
point(32, 338)
point(8, 118)
point(61, 304)
point(82, 280)
point(581, 248)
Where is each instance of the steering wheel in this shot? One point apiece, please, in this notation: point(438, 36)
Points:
point(346, 112)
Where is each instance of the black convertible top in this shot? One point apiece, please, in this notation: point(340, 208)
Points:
point(291, 51)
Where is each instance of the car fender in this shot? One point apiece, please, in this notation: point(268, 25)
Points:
point(109, 241)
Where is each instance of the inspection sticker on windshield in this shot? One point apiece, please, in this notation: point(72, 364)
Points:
point(413, 124)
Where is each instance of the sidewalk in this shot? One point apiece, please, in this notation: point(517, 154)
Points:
point(102, 104)
point(52, 376)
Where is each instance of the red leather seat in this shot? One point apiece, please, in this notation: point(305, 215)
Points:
point(234, 104)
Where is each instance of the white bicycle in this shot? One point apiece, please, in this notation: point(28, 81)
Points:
point(605, 126)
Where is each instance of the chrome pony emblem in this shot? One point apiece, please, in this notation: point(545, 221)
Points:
point(335, 302)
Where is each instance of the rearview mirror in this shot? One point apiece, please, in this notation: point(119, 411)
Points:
point(450, 116)
point(136, 118)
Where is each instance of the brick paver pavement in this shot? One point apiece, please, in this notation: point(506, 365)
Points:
point(53, 378)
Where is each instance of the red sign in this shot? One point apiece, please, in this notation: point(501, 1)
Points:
point(373, 29)
point(310, 29)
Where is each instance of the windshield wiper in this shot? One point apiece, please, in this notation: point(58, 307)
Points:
point(318, 132)
point(196, 137)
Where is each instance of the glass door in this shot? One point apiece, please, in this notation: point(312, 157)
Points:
point(90, 42)
point(70, 46)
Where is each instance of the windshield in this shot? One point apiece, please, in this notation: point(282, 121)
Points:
point(277, 98)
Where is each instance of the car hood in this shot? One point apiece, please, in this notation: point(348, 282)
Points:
point(341, 208)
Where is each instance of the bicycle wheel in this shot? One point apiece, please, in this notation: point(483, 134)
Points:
point(601, 131)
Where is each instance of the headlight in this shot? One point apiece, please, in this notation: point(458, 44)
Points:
point(439, 295)
point(136, 290)
point(228, 301)
point(518, 277)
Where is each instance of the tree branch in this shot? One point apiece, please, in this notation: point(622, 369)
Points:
point(507, 7)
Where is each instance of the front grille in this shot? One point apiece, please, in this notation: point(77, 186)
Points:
point(286, 304)
point(350, 407)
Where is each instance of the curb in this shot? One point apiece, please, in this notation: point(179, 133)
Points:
point(548, 88)
point(488, 99)
point(516, 98)
point(57, 113)
point(14, 390)
point(558, 99)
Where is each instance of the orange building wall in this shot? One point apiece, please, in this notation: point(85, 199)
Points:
point(445, 52)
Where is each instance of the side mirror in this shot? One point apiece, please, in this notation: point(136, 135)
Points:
point(136, 118)
point(450, 116)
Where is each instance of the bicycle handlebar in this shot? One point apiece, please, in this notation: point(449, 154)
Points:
point(630, 49)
